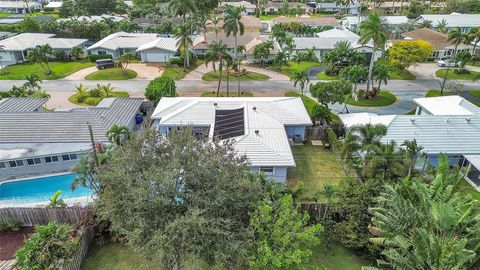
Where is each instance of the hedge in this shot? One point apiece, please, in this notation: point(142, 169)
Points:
point(95, 57)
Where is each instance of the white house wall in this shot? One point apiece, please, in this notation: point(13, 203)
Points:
point(279, 173)
point(156, 56)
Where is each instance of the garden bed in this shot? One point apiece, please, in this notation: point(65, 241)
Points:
point(112, 74)
point(93, 101)
point(11, 241)
point(453, 74)
point(248, 76)
point(384, 98)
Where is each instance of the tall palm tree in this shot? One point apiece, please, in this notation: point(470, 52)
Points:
point(412, 151)
point(300, 78)
point(442, 26)
point(380, 74)
point(182, 8)
point(117, 134)
point(281, 59)
point(232, 25)
point(456, 37)
point(214, 20)
point(472, 36)
point(217, 53)
point(372, 30)
point(369, 137)
point(40, 55)
point(183, 32)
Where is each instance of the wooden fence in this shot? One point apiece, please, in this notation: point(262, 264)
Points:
point(40, 216)
point(86, 239)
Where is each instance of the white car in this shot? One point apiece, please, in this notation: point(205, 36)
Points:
point(446, 63)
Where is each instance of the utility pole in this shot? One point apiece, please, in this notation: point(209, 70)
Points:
point(95, 157)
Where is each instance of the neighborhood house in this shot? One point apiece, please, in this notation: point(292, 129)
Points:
point(261, 128)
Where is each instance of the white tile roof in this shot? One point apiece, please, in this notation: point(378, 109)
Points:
point(94, 18)
point(54, 5)
point(453, 20)
point(124, 40)
point(27, 41)
point(18, 4)
point(454, 133)
point(326, 43)
point(162, 43)
point(345, 33)
point(269, 147)
point(21, 104)
point(245, 4)
point(391, 20)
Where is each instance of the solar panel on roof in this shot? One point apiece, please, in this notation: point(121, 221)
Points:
point(229, 123)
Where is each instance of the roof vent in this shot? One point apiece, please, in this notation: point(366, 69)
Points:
point(468, 119)
point(215, 104)
point(412, 120)
point(446, 120)
point(257, 131)
point(254, 108)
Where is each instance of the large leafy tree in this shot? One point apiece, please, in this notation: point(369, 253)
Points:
point(217, 55)
point(180, 197)
point(329, 93)
point(405, 53)
point(50, 247)
point(284, 239)
point(372, 29)
point(354, 74)
point(232, 25)
point(426, 224)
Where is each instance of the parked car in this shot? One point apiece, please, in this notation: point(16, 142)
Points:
point(446, 63)
point(105, 63)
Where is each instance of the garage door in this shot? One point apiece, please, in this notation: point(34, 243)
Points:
point(155, 57)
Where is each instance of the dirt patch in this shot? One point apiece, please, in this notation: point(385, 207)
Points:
point(11, 241)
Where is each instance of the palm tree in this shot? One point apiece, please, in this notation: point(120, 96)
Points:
point(281, 59)
point(81, 92)
point(182, 8)
point(369, 138)
point(55, 201)
point(328, 192)
point(372, 30)
point(442, 26)
point(472, 36)
point(183, 32)
point(290, 46)
point(215, 20)
point(380, 73)
point(457, 37)
point(118, 134)
point(217, 53)
point(354, 74)
point(40, 55)
point(411, 153)
point(232, 25)
point(300, 78)
point(107, 90)
point(33, 83)
point(41, 94)
point(76, 52)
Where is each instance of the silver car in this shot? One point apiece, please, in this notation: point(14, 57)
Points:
point(446, 63)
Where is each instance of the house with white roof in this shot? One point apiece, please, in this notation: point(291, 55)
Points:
point(94, 18)
point(448, 124)
point(352, 22)
point(335, 7)
point(249, 7)
point(37, 142)
point(55, 5)
point(121, 43)
point(454, 20)
point(15, 49)
point(325, 41)
point(19, 7)
point(260, 128)
point(159, 50)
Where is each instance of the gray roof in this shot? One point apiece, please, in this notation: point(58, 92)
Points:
point(453, 20)
point(27, 41)
point(21, 104)
point(67, 126)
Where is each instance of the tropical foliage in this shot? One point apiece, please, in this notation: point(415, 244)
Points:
point(160, 87)
point(405, 53)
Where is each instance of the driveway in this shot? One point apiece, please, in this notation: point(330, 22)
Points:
point(197, 74)
point(144, 72)
point(424, 71)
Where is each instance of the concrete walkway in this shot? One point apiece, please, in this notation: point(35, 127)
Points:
point(197, 74)
point(144, 72)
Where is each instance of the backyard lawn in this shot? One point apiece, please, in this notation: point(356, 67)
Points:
point(309, 103)
point(465, 188)
point(232, 93)
point(112, 74)
point(383, 99)
point(249, 76)
point(294, 67)
point(315, 167)
point(452, 75)
point(59, 70)
point(335, 256)
point(323, 76)
point(401, 75)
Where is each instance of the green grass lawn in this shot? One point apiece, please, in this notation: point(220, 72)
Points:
point(249, 76)
point(315, 167)
point(465, 188)
point(309, 103)
point(112, 74)
point(323, 76)
point(334, 257)
point(384, 99)
point(224, 94)
point(475, 93)
point(436, 93)
point(92, 101)
point(294, 67)
point(3, 15)
point(115, 256)
point(268, 17)
point(59, 70)
point(452, 75)
point(178, 73)
point(475, 64)
point(401, 75)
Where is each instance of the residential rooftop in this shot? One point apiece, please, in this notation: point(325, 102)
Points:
point(21, 104)
point(124, 40)
point(437, 39)
point(331, 21)
point(164, 43)
point(25, 41)
point(453, 19)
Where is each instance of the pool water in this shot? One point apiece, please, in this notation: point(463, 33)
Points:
point(38, 190)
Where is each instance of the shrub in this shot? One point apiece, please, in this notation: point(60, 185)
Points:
point(95, 57)
point(10, 225)
point(92, 101)
point(48, 248)
point(95, 92)
point(60, 55)
point(160, 87)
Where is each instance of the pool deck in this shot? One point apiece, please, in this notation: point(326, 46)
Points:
point(80, 201)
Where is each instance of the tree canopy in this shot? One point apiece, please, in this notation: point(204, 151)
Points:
point(405, 53)
point(331, 92)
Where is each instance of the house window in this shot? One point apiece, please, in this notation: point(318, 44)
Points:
point(102, 52)
point(19, 163)
point(48, 159)
point(37, 161)
point(12, 164)
point(73, 156)
point(267, 170)
point(55, 158)
point(2, 165)
point(66, 157)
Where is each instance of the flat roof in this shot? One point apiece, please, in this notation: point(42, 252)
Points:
point(25, 41)
point(124, 40)
point(447, 105)
point(453, 19)
point(21, 104)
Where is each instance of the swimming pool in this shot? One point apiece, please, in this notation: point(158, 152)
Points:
point(40, 190)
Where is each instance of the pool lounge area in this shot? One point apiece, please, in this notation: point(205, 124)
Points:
point(37, 191)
